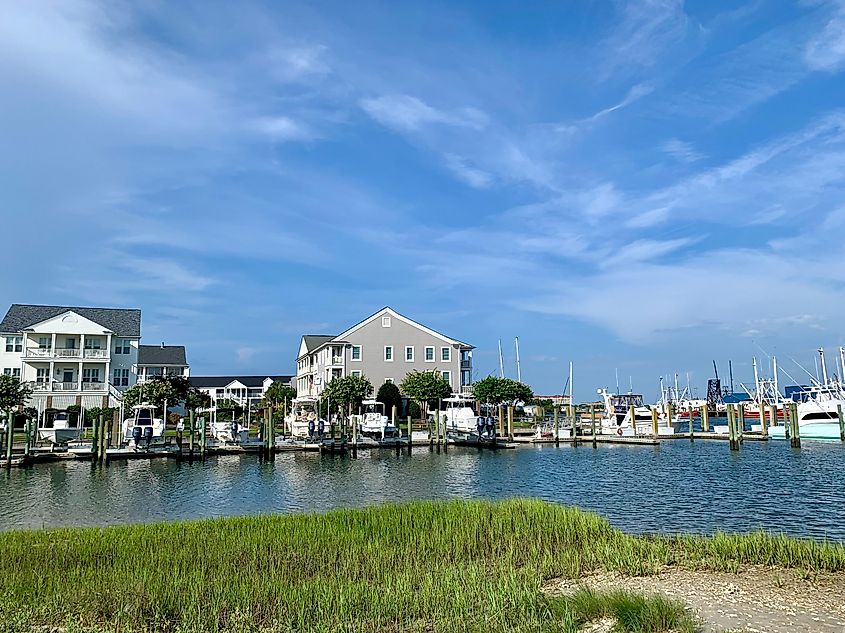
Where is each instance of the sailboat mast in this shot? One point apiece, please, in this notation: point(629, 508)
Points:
point(518, 370)
point(731, 373)
point(501, 361)
point(758, 396)
point(571, 391)
point(775, 372)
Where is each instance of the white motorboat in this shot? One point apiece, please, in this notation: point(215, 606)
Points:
point(373, 423)
point(303, 420)
point(818, 414)
point(143, 428)
point(616, 417)
point(458, 417)
point(229, 431)
point(57, 428)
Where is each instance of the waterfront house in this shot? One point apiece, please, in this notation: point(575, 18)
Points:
point(383, 347)
point(71, 355)
point(238, 388)
point(156, 361)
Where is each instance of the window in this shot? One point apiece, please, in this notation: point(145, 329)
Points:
point(385, 321)
point(122, 346)
point(219, 393)
point(70, 343)
point(447, 376)
point(388, 353)
point(14, 344)
point(12, 371)
point(356, 372)
point(446, 354)
point(409, 354)
point(121, 378)
point(92, 343)
point(429, 354)
point(356, 352)
point(42, 374)
point(90, 375)
point(45, 342)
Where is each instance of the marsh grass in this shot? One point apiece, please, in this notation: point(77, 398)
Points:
point(632, 613)
point(422, 566)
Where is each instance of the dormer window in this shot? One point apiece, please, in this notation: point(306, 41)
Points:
point(385, 321)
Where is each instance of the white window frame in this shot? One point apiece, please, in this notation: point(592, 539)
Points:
point(385, 321)
point(42, 375)
point(93, 343)
point(45, 342)
point(14, 344)
point(386, 359)
point(360, 354)
point(124, 345)
point(355, 372)
point(433, 358)
point(447, 356)
point(446, 375)
point(413, 353)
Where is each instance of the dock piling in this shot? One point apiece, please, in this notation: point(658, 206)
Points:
point(795, 439)
point(733, 439)
point(592, 423)
point(654, 424)
point(557, 425)
point(10, 434)
point(632, 414)
point(410, 441)
point(841, 423)
point(691, 412)
point(510, 423)
point(191, 434)
point(202, 438)
point(705, 419)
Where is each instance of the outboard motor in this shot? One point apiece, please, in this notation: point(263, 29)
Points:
point(148, 434)
point(321, 428)
point(235, 428)
point(479, 426)
point(310, 428)
point(136, 435)
point(491, 426)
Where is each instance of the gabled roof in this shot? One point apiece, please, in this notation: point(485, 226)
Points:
point(162, 355)
point(120, 321)
point(218, 382)
point(313, 341)
point(388, 310)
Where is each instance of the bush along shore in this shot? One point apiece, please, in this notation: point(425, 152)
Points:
point(422, 566)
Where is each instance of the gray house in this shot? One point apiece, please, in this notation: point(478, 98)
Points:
point(383, 347)
point(155, 361)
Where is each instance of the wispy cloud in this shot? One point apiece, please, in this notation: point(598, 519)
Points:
point(681, 150)
point(472, 176)
point(826, 50)
point(408, 114)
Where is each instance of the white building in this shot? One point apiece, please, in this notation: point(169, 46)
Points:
point(238, 388)
point(155, 361)
point(71, 355)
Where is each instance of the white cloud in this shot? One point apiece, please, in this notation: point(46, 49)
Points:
point(465, 172)
point(409, 114)
point(681, 150)
point(649, 218)
point(826, 50)
point(282, 128)
point(634, 94)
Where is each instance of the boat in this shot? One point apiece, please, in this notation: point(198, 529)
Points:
point(57, 428)
point(616, 417)
point(229, 431)
point(818, 414)
point(143, 428)
point(373, 423)
point(303, 421)
point(460, 420)
point(545, 430)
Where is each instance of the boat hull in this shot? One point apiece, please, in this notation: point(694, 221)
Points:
point(817, 431)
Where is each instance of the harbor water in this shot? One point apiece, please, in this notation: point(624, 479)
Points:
point(679, 486)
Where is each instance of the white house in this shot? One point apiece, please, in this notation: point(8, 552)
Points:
point(71, 355)
point(155, 361)
point(238, 388)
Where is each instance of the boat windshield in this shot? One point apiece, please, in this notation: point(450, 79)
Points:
point(144, 417)
point(627, 400)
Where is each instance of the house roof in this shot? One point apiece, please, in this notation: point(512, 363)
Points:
point(394, 313)
point(313, 341)
point(209, 382)
point(162, 355)
point(120, 321)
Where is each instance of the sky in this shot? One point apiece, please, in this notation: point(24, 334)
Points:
point(635, 187)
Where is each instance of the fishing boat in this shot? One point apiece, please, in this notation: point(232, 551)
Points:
point(143, 428)
point(616, 417)
point(57, 428)
point(229, 431)
point(818, 414)
point(373, 423)
point(303, 420)
point(459, 419)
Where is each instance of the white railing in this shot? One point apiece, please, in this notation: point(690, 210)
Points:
point(68, 353)
point(65, 386)
point(41, 386)
point(38, 352)
point(96, 353)
point(93, 386)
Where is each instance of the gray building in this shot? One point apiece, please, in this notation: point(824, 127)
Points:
point(383, 347)
point(155, 361)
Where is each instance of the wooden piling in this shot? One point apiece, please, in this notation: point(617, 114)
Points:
point(655, 426)
point(795, 440)
point(691, 411)
point(510, 423)
point(27, 431)
point(557, 425)
point(95, 435)
point(593, 423)
point(733, 438)
point(669, 419)
point(632, 414)
point(741, 422)
point(202, 437)
point(841, 423)
point(191, 436)
point(410, 431)
point(705, 419)
point(10, 434)
point(501, 421)
point(355, 435)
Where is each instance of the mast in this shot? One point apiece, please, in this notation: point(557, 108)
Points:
point(775, 371)
point(758, 395)
point(662, 393)
point(518, 370)
point(501, 361)
point(617, 381)
point(676, 387)
point(824, 365)
point(841, 364)
point(571, 391)
point(731, 372)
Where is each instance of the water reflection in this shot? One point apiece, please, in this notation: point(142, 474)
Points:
point(677, 487)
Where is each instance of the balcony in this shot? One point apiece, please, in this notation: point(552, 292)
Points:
point(46, 353)
point(97, 354)
point(68, 386)
point(466, 364)
point(93, 386)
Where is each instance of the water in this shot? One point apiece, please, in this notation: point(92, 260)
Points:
point(676, 487)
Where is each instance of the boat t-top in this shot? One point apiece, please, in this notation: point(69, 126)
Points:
point(143, 427)
point(303, 420)
point(57, 428)
point(229, 431)
point(616, 418)
point(373, 422)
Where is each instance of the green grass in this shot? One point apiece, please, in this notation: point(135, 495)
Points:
point(424, 566)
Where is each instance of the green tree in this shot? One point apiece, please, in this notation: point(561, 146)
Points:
point(229, 405)
point(93, 414)
point(172, 390)
point(279, 393)
point(197, 399)
point(13, 393)
point(425, 388)
point(496, 391)
point(348, 391)
point(389, 395)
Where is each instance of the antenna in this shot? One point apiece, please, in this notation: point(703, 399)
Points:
point(518, 370)
point(617, 381)
point(824, 365)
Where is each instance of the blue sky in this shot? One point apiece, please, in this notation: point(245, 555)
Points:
point(644, 186)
